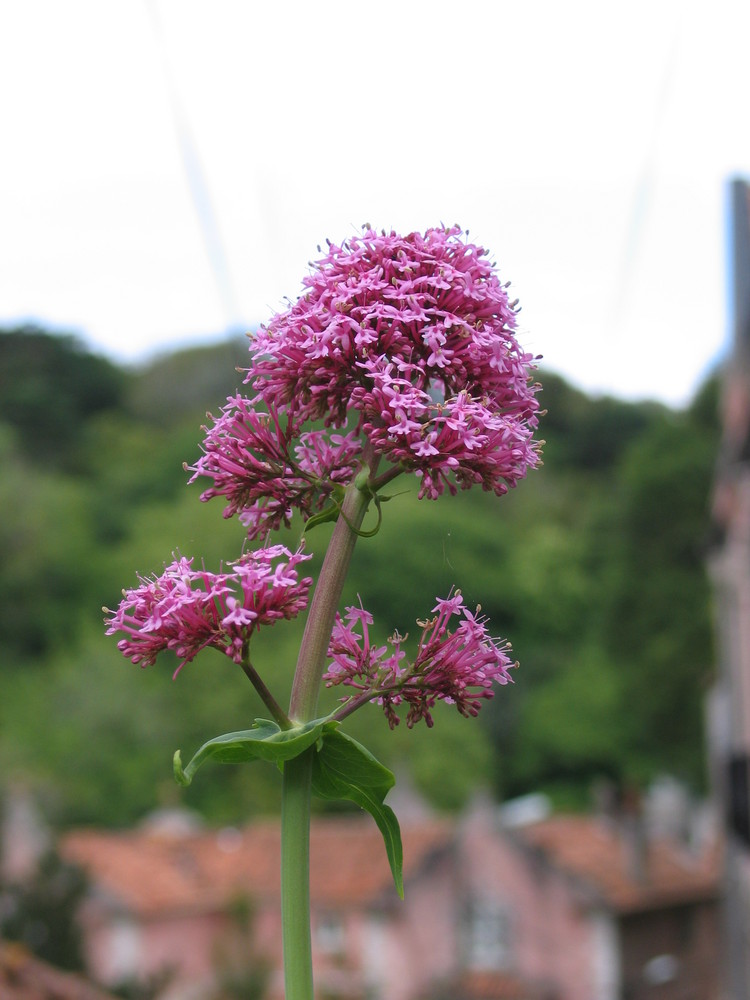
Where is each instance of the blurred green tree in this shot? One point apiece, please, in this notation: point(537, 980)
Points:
point(657, 621)
point(42, 913)
point(50, 386)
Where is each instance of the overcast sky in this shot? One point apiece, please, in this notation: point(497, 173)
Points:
point(168, 167)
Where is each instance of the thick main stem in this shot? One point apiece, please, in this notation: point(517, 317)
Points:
point(322, 614)
point(295, 804)
point(295, 878)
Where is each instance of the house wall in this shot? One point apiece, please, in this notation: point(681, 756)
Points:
point(606, 957)
point(391, 950)
point(552, 937)
point(121, 948)
point(413, 944)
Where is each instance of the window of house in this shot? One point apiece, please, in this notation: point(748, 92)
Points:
point(661, 969)
point(329, 933)
point(488, 934)
point(124, 949)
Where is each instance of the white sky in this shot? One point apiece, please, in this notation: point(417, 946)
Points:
point(586, 144)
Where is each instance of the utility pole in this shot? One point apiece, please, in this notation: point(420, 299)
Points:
point(729, 563)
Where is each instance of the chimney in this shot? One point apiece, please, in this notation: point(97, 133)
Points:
point(24, 837)
point(634, 836)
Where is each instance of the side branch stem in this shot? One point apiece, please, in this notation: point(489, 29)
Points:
point(266, 697)
point(388, 476)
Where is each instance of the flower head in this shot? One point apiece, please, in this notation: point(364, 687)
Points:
point(185, 610)
point(432, 303)
point(405, 342)
point(458, 667)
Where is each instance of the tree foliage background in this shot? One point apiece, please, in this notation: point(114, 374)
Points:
point(592, 567)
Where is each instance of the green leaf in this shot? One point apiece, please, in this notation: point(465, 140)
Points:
point(344, 769)
point(265, 741)
point(329, 513)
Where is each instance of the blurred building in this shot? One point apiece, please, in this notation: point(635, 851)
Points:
point(729, 704)
point(24, 837)
point(23, 977)
point(203, 906)
point(592, 907)
point(514, 908)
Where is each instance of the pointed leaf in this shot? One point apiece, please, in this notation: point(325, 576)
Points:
point(265, 741)
point(344, 769)
point(328, 513)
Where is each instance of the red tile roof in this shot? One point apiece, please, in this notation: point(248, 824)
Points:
point(150, 872)
point(596, 851)
point(476, 985)
point(24, 977)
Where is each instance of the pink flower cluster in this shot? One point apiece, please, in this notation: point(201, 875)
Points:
point(430, 301)
point(185, 610)
point(251, 455)
point(405, 343)
point(457, 667)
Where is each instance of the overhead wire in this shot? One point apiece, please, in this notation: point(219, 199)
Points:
point(645, 185)
point(197, 182)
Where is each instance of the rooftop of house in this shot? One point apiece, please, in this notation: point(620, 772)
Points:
point(149, 871)
point(620, 867)
point(487, 985)
point(24, 977)
point(176, 868)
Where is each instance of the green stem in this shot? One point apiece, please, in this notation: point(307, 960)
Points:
point(325, 602)
point(353, 704)
point(388, 476)
point(295, 802)
point(295, 877)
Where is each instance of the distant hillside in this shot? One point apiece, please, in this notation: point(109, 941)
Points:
point(188, 381)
